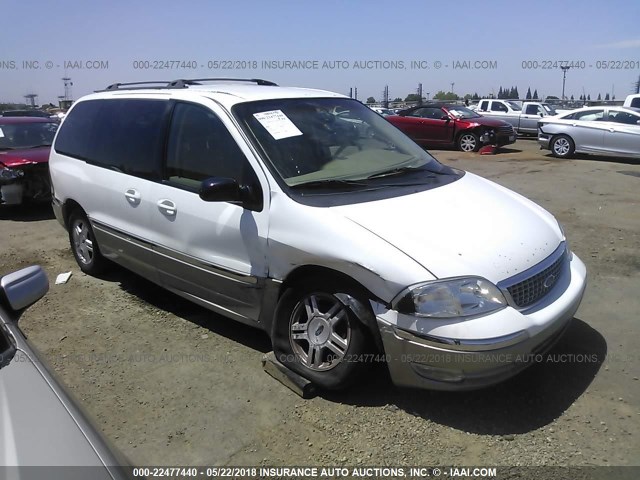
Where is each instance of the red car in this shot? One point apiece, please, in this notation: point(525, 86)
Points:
point(452, 125)
point(24, 159)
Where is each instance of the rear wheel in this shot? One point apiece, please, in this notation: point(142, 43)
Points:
point(562, 146)
point(468, 142)
point(83, 244)
point(319, 337)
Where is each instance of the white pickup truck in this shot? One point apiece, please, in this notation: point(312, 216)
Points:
point(523, 118)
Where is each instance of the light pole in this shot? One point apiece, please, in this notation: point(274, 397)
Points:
point(564, 77)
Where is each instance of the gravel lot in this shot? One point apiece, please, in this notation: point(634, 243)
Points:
point(172, 384)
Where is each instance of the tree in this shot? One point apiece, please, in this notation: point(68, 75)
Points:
point(572, 98)
point(445, 96)
point(528, 97)
point(412, 97)
point(599, 97)
point(589, 97)
point(636, 85)
point(397, 99)
point(500, 93)
point(606, 97)
point(475, 96)
point(515, 93)
point(371, 100)
point(535, 94)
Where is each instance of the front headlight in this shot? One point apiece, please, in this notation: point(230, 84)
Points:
point(456, 297)
point(566, 241)
point(9, 175)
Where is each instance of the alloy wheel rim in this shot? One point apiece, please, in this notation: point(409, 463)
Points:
point(467, 143)
point(561, 146)
point(319, 331)
point(82, 242)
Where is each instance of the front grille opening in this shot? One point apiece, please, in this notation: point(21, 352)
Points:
point(534, 288)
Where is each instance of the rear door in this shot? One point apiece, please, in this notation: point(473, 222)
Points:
point(213, 253)
point(117, 145)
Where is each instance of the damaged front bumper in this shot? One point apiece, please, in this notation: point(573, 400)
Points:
point(29, 182)
point(422, 360)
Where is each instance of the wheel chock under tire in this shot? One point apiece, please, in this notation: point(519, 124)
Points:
point(290, 379)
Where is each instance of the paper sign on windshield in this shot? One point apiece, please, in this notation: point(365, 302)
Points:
point(277, 124)
point(1, 133)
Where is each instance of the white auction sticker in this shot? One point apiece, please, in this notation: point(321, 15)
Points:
point(1, 133)
point(277, 124)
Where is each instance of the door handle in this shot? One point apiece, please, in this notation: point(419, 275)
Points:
point(133, 196)
point(167, 207)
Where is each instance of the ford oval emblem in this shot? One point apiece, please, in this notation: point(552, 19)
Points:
point(549, 281)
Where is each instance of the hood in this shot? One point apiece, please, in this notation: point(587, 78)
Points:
point(469, 227)
point(28, 156)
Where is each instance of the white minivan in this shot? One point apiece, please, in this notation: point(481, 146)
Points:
point(265, 205)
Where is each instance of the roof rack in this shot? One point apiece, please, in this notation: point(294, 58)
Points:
point(118, 86)
point(184, 83)
point(181, 83)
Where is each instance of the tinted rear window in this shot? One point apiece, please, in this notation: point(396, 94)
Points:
point(120, 134)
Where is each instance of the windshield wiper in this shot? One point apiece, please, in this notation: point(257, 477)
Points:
point(401, 171)
point(37, 146)
point(331, 183)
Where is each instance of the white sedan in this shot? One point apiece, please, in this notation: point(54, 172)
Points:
point(599, 130)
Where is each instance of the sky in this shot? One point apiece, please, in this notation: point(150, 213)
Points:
point(478, 46)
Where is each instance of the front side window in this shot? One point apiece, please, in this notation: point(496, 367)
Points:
point(307, 142)
point(498, 107)
point(200, 147)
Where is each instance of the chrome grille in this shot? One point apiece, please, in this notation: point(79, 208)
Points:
point(535, 287)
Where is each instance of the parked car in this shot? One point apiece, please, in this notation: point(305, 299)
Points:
point(385, 112)
point(26, 113)
point(632, 100)
point(524, 117)
point(24, 155)
point(255, 201)
point(42, 426)
point(452, 126)
point(598, 130)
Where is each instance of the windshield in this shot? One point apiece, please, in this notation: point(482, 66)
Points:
point(462, 112)
point(515, 105)
point(311, 140)
point(27, 135)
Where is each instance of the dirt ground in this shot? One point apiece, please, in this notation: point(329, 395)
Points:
point(172, 384)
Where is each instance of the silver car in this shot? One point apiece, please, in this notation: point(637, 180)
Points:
point(601, 130)
point(43, 432)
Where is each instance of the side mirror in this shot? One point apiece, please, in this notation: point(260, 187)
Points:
point(446, 118)
point(25, 287)
point(541, 114)
point(220, 189)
